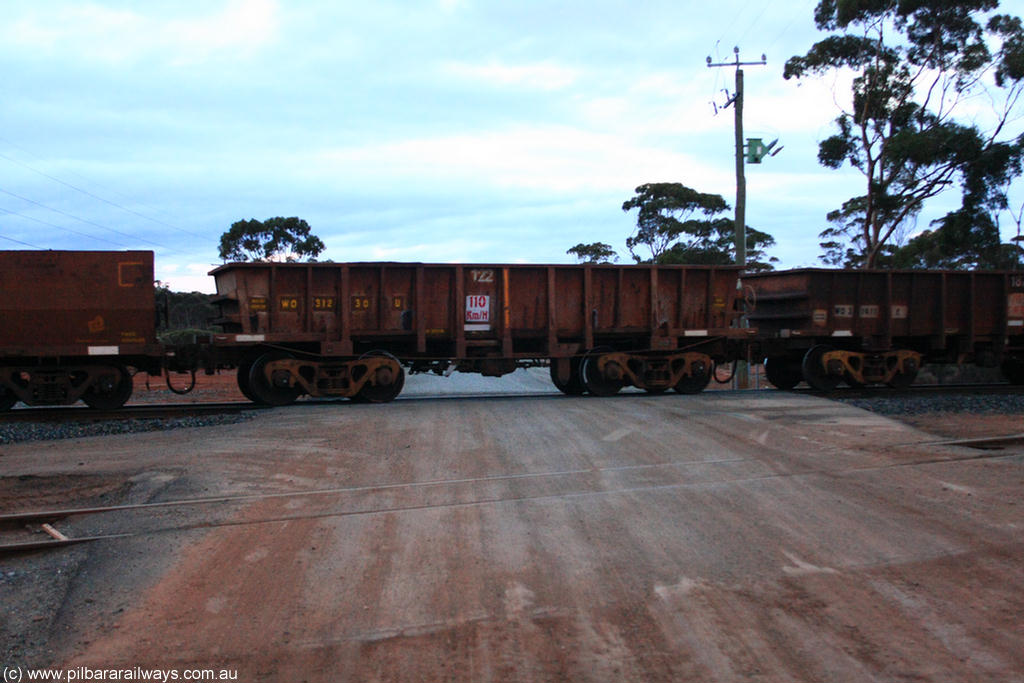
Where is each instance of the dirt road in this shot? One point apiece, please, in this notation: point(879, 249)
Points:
point(721, 537)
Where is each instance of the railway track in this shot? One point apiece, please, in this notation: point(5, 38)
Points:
point(157, 411)
point(915, 390)
point(21, 531)
point(132, 412)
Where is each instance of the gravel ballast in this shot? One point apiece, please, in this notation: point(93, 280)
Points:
point(895, 404)
point(49, 431)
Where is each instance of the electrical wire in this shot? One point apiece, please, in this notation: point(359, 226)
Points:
point(60, 227)
point(107, 188)
point(98, 198)
point(785, 30)
point(735, 18)
point(66, 229)
point(764, 7)
point(25, 244)
point(88, 222)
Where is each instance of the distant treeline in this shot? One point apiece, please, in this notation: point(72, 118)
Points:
point(184, 313)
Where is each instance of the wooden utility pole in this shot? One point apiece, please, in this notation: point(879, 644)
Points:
point(742, 377)
point(741, 181)
point(741, 178)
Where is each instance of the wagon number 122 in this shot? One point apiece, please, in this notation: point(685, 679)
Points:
point(482, 275)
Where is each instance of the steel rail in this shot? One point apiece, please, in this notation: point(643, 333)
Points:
point(914, 390)
point(24, 546)
point(131, 412)
point(156, 411)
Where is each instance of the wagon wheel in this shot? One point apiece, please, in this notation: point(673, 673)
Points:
point(695, 383)
point(382, 393)
point(575, 386)
point(262, 390)
point(242, 377)
point(596, 383)
point(814, 370)
point(111, 390)
point(1013, 370)
point(783, 373)
point(7, 398)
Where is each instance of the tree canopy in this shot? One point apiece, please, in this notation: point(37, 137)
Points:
point(918, 65)
point(278, 238)
point(595, 252)
point(678, 224)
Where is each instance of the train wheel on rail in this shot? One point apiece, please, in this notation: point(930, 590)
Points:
point(278, 393)
point(1013, 370)
point(575, 386)
point(784, 373)
point(814, 371)
point(111, 390)
point(242, 377)
point(7, 399)
point(600, 383)
point(695, 383)
point(389, 382)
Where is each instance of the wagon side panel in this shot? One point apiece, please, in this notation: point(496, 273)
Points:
point(570, 310)
point(60, 302)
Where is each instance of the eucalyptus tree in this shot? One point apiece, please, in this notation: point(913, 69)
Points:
point(935, 95)
point(677, 224)
point(595, 252)
point(277, 238)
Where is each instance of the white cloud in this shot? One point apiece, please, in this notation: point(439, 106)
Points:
point(535, 76)
point(431, 252)
point(242, 24)
point(96, 32)
point(190, 277)
point(451, 5)
point(808, 106)
point(548, 158)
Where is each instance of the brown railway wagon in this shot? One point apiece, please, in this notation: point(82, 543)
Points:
point(860, 326)
point(70, 324)
point(346, 329)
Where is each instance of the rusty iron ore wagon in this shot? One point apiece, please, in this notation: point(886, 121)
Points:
point(350, 329)
point(75, 325)
point(876, 326)
point(72, 323)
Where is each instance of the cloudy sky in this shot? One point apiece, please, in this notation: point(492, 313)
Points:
point(434, 130)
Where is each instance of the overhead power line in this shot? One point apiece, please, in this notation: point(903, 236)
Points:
point(60, 227)
point(24, 244)
point(101, 199)
point(754, 22)
point(86, 221)
point(796, 16)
